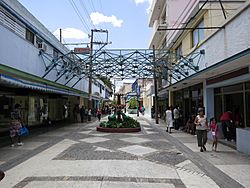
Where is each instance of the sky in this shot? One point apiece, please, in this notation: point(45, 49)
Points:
point(125, 20)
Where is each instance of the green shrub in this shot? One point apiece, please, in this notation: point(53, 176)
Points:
point(126, 122)
point(102, 124)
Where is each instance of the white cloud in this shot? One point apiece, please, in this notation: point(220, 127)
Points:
point(71, 33)
point(98, 18)
point(137, 2)
point(141, 1)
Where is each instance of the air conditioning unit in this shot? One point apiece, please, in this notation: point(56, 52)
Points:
point(42, 46)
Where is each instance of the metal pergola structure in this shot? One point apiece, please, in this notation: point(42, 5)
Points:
point(122, 64)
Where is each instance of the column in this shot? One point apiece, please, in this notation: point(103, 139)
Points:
point(208, 100)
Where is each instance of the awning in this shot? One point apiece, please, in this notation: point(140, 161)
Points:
point(106, 100)
point(20, 83)
point(95, 97)
point(230, 64)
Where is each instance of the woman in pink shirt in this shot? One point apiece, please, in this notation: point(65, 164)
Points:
point(214, 130)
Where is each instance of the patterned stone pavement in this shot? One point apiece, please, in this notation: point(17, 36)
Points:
point(79, 156)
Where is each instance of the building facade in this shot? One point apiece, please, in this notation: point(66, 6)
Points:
point(37, 71)
point(209, 56)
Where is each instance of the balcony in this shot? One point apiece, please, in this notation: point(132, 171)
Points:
point(155, 11)
point(157, 36)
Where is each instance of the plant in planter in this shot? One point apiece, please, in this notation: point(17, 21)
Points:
point(119, 122)
point(124, 122)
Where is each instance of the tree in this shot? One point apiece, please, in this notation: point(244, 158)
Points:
point(133, 103)
point(106, 81)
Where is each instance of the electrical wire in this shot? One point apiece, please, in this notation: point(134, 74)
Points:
point(86, 12)
point(85, 25)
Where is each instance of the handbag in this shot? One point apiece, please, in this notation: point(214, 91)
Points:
point(24, 131)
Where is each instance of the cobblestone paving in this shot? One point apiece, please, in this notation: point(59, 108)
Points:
point(82, 157)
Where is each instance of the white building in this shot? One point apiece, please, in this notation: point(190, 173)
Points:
point(210, 54)
point(36, 70)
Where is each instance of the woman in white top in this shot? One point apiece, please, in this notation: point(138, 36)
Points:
point(169, 119)
point(201, 129)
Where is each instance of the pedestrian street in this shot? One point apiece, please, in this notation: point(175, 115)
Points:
point(79, 156)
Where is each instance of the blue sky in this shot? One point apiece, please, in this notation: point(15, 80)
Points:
point(126, 20)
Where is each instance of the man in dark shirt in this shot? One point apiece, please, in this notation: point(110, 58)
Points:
point(82, 113)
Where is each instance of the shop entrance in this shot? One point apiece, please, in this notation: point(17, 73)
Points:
point(248, 109)
point(235, 103)
point(235, 98)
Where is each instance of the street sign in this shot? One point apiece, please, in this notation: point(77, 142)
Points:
point(82, 50)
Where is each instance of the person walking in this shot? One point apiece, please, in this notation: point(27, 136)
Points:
point(201, 129)
point(82, 113)
point(89, 114)
point(143, 110)
point(169, 119)
point(75, 113)
point(214, 130)
point(176, 118)
point(227, 121)
point(16, 125)
point(99, 114)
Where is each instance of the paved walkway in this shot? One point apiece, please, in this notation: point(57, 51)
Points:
point(79, 156)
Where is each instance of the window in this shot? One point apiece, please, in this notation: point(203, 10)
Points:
point(198, 34)
point(38, 42)
point(100, 88)
point(247, 109)
point(233, 88)
point(30, 36)
point(178, 52)
point(248, 85)
point(55, 54)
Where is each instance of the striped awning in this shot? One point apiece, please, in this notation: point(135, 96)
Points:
point(20, 83)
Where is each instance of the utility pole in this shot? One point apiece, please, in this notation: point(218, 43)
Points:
point(156, 89)
point(90, 70)
point(91, 60)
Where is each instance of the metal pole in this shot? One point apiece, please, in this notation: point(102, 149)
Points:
point(60, 35)
point(223, 10)
point(138, 105)
point(90, 70)
point(156, 89)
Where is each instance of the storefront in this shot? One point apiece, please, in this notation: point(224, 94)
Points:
point(35, 106)
point(39, 102)
point(163, 104)
point(235, 98)
point(188, 100)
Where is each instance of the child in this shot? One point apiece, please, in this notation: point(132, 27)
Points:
point(169, 119)
point(214, 130)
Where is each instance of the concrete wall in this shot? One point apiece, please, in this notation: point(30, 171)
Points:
point(227, 42)
point(25, 14)
point(18, 53)
point(243, 140)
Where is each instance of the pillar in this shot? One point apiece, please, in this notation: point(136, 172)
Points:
point(208, 100)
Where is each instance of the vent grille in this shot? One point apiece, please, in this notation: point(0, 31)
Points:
point(11, 22)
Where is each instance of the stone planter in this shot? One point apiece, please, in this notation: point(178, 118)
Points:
point(132, 111)
point(118, 130)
